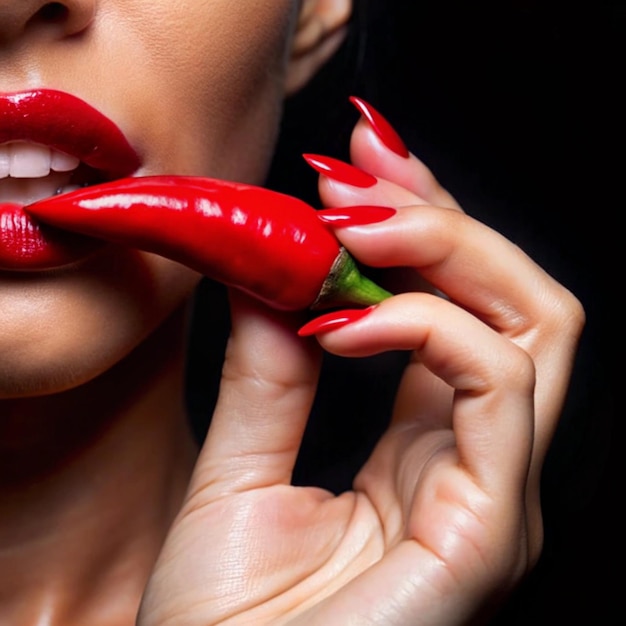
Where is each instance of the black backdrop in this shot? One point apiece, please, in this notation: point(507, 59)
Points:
point(517, 107)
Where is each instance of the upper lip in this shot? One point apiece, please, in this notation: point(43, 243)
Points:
point(68, 124)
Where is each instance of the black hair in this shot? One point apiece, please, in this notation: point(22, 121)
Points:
point(319, 117)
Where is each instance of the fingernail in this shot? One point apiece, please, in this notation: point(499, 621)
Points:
point(355, 215)
point(332, 321)
point(381, 127)
point(340, 171)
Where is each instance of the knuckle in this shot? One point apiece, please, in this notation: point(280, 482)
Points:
point(570, 313)
point(563, 315)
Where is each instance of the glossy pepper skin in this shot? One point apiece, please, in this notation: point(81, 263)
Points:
point(265, 243)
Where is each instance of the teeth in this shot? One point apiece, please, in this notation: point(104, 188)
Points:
point(27, 190)
point(31, 172)
point(20, 159)
point(5, 161)
point(61, 162)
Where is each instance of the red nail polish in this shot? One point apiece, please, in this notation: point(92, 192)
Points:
point(381, 127)
point(355, 215)
point(333, 320)
point(340, 171)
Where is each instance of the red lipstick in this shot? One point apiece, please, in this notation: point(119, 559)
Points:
point(27, 245)
point(67, 124)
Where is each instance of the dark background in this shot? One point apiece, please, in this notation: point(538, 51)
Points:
point(517, 107)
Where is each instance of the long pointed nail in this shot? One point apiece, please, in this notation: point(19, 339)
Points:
point(340, 171)
point(385, 131)
point(355, 215)
point(333, 321)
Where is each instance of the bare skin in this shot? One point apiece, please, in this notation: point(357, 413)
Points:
point(86, 497)
point(111, 516)
point(95, 449)
point(444, 518)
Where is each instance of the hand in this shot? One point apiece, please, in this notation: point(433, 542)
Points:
point(444, 518)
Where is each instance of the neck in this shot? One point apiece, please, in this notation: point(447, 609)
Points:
point(90, 480)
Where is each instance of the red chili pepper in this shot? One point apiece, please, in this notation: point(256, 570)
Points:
point(265, 243)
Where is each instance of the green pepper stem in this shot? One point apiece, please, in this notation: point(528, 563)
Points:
point(345, 286)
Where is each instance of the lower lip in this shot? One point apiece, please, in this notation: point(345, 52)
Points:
point(26, 245)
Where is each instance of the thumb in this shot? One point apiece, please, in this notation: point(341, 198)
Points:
point(268, 384)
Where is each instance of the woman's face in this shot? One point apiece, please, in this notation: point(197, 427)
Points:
point(196, 87)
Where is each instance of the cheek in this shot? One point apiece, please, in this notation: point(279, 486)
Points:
point(205, 88)
point(198, 87)
point(59, 333)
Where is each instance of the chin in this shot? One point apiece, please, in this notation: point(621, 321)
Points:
point(59, 331)
point(31, 382)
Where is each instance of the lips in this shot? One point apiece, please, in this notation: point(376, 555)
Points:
point(44, 134)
